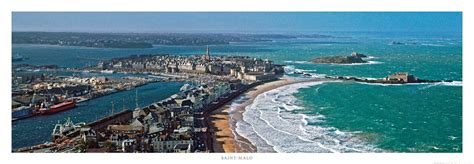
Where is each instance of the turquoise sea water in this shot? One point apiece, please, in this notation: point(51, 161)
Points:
point(415, 118)
point(336, 116)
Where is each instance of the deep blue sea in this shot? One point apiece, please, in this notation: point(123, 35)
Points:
point(316, 117)
point(37, 130)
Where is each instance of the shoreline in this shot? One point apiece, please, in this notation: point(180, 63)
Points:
point(84, 100)
point(96, 118)
point(224, 120)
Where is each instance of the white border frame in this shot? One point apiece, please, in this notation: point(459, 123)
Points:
point(7, 6)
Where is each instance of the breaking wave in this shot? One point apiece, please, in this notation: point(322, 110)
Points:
point(291, 70)
point(453, 83)
point(428, 85)
point(298, 62)
point(368, 63)
point(272, 123)
point(370, 57)
point(432, 45)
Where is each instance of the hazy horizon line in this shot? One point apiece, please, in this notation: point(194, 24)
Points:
point(233, 32)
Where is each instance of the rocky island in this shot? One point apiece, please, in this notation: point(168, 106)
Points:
point(353, 58)
point(397, 78)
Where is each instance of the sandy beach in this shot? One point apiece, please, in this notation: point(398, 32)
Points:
point(224, 119)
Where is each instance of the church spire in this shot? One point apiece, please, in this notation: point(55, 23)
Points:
point(207, 56)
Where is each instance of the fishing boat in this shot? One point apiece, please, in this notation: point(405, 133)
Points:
point(22, 112)
point(66, 130)
point(17, 57)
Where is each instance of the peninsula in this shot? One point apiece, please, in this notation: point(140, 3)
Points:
point(179, 123)
point(148, 40)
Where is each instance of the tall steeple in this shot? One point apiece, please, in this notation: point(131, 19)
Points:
point(207, 56)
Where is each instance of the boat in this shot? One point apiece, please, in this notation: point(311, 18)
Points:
point(17, 57)
point(66, 130)
point(68, 104)
point(80, 99)
point(22, 112)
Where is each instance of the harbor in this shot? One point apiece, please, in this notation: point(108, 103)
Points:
point(179, 123)
point(199, 139)
point(88, 111)
point(51, 94)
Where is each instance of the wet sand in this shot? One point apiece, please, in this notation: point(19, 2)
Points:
point(224, 139)
point(224, 119)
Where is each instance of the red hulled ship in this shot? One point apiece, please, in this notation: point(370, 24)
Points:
point(58, 107)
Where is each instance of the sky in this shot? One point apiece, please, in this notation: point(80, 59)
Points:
point(234, 22)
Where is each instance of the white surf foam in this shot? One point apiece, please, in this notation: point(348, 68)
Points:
point(272, 122)
point(355, 64)
point(290, 69)
point(453, 83)
point(370, 57)
point(235, 104)
point(308, 70)
point(297, 61)
point(432, 45)
point(428, 85)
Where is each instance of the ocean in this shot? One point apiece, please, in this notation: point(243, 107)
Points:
point(327, 116)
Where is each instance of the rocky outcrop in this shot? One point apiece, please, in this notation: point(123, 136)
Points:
point(339, 60)
point(397, 78)
point(353, 58)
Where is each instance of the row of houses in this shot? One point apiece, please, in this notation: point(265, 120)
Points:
point(169, 125)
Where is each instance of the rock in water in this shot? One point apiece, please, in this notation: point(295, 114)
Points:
point(339, 60)
point(353, 58)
